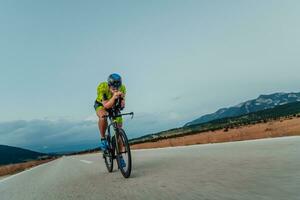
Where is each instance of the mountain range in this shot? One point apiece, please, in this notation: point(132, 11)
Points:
point(261, 103)
point(10, 155)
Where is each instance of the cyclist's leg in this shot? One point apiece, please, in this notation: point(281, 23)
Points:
point(119, 121)
point(120, 143)
point(102, 122)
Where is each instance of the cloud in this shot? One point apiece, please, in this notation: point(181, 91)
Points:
point(55, 135)
point(49, 135)
point(176, 98)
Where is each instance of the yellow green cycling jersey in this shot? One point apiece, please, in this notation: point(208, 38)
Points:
point(103, 92)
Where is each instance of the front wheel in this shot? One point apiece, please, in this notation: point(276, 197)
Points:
point(123, 151)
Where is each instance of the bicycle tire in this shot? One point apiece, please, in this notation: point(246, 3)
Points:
point(125, 172)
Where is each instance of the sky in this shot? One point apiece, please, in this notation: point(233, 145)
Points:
point(178, 59)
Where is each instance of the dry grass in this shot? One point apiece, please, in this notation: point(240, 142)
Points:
point(279, 128)
point(15, 168)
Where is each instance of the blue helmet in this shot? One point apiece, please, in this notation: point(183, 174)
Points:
point(114, 80)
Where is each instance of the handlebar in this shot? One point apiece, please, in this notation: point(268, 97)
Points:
point(119, 115)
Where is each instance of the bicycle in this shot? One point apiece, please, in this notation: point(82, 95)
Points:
point(114, 151)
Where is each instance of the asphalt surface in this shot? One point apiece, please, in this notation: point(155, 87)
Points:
point(259, 169)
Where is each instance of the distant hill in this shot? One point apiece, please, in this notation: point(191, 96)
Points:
point(10, 155)
point(261, 103)
point(286, 110)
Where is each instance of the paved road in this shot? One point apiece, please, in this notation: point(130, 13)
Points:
point(258, 169)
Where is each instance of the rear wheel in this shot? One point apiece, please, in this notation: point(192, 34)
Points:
point(124, 152)
point(108, 156)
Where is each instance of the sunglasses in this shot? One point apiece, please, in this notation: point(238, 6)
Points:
point(114, 88)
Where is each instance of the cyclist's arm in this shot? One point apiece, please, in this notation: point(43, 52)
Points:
point(123, 97)
point(109, 103)
point(123, 102)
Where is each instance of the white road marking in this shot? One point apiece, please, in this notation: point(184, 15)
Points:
point(86, 161)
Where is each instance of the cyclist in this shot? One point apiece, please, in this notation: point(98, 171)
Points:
point(108, 93)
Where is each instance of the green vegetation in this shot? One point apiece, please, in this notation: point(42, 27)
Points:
point(263, 116)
